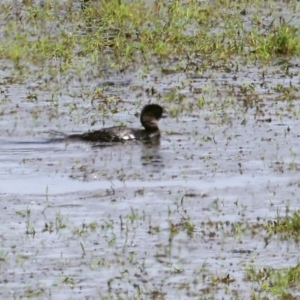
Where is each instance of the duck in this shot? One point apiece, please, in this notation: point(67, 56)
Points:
point(149, 117)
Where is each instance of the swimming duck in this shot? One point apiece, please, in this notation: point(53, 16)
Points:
point(150, 115)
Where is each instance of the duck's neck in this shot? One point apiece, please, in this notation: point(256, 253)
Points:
point(151, 129)
point(149, 124)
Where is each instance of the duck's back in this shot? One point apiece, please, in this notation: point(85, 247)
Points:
point(116, 134)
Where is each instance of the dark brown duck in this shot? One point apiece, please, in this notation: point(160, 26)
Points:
point(149, 118)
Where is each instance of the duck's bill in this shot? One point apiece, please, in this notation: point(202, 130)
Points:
point(165, 114)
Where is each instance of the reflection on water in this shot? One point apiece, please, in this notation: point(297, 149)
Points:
point(151, 157)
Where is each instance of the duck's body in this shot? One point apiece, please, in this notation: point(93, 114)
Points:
point(116, 134)
point(150, 115)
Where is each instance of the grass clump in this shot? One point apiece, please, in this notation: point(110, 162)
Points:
point(281, 283)
point(287, 226)
point(282, 40)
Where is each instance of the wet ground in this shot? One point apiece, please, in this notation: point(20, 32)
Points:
point(147, 221)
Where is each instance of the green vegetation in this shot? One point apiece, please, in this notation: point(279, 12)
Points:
point(272, 282)
point(141, 31)
point(287, 226)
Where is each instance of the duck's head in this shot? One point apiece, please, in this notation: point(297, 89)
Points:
point(150, 115)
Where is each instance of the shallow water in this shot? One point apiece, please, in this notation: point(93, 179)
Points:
point(110, 208)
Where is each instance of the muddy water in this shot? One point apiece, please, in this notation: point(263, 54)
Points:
point(88, 221)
